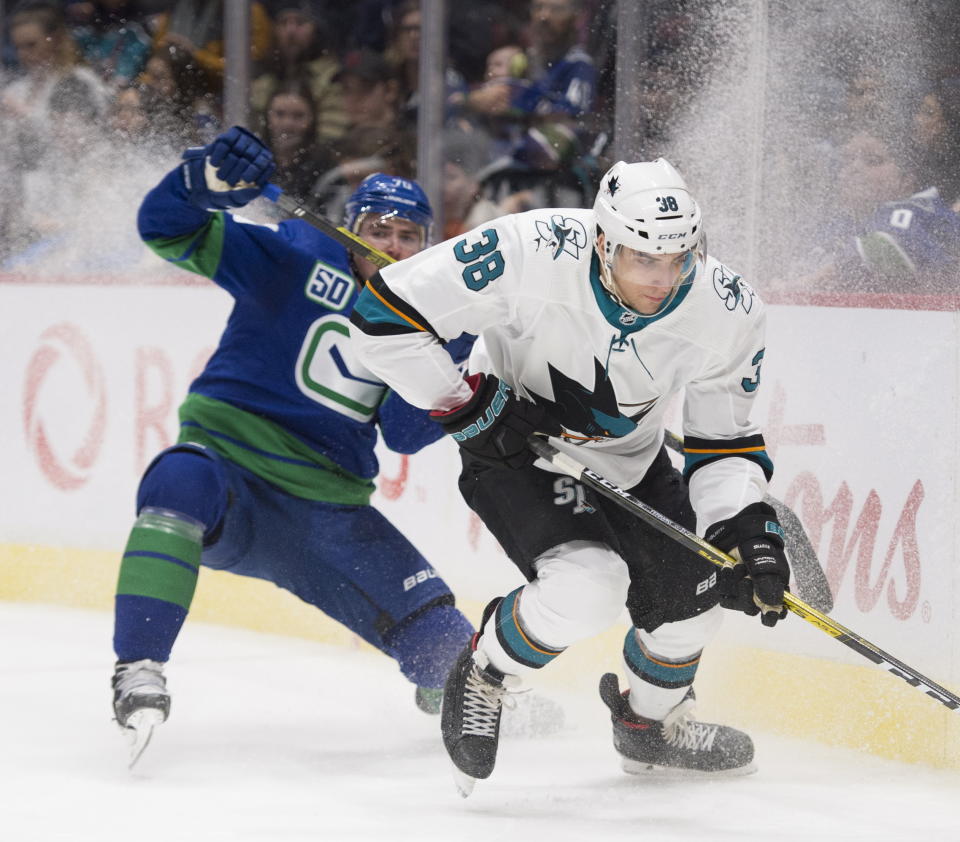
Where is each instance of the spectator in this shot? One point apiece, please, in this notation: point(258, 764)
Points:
point(506, 68)
point(370, 91)
point(196, 27)
point(363, 151)
point(48, 57)
point(543, 114)
point(167, 84)
point(464, 205)
point(935, 136)
point(375, 140)
point(299, 51)
point(881, 229)
point(911, 245)
point(129, 119)
point(403, 54)
point(561, 74)
point(47, 54)
point(112, 43)
point(290, 133)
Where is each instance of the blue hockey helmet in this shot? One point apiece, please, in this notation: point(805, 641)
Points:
point(389, 196)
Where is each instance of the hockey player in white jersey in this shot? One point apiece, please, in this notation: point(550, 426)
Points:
point(589, 320)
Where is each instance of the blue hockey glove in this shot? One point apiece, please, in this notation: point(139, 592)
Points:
point(494, 424)
point(755, 584)
point(229, 172)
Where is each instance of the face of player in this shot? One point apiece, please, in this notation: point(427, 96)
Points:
point(394, 236)
point(644, 281)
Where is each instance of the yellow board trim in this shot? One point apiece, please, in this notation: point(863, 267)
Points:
point(858, 707)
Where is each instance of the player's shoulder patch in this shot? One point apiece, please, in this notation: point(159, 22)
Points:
point(731, 288)
point(560, 234)
point(330, 286)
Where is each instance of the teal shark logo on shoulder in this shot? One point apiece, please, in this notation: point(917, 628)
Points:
point(732, 289)
point(562, 235)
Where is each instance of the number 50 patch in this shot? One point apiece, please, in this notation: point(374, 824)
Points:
point(329, 286)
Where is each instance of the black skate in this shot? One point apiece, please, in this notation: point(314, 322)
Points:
point(140, 702)
point(679, 744)
point(470, 716)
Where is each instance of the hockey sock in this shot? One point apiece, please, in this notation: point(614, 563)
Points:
point(158, 576)
point(508, 644)
point(657, 684)
point(427, 644)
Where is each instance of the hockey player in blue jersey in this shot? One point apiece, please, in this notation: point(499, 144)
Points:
point(274, 466)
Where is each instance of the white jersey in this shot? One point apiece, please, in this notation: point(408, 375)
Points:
point(528, 286)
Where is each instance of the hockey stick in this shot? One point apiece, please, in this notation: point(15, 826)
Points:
point(811, 580)
point(695, 544)
point(346, 238)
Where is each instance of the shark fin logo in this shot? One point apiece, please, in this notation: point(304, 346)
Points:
point(562, 235)
point(613, 185)
point(592, 413)
point(732, 289)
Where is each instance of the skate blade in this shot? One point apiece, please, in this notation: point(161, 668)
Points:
point(463, 782)
point(652, 770)
point(140, 726)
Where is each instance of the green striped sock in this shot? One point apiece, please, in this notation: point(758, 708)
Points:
point(162, 558)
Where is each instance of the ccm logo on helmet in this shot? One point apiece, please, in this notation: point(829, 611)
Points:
point(679, 236)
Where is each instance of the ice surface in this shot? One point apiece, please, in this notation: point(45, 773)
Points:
point(273, 738)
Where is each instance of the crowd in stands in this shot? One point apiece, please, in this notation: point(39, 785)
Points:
point(530, 89)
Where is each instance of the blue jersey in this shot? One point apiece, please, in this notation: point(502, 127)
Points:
point(919, 234)
point(565, 87)
point(283, 394)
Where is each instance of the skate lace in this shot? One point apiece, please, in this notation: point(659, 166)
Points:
point(482, 702)
point(681, 729)
point(141, 677)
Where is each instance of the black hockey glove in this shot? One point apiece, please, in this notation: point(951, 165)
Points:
point(494, 424)
point(754, 585)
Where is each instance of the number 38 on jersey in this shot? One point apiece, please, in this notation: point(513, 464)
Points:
point(484, 262)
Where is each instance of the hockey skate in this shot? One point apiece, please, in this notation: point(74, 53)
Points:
point(470, 718)
point(429, 699)
point(679, 744)
point(140, 702)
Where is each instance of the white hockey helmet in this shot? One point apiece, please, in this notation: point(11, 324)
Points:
point(646, 207)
